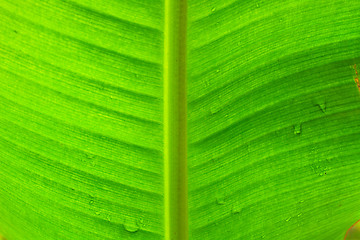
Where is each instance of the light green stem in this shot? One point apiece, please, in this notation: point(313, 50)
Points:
point(175, 145)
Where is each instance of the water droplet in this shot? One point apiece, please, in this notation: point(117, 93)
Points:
point(236, 208)
point(92, 159)
point(91, 201)
point(214, 109)
point(288, 219)
point(97, 213)
point(322, 107)
point(213, 9)
point(297, 129)
point(220, 200)
point(320, 103)
point(206, 82)
point(217, 70)
point(131, 225)
point(108, 217)
point(321, 167)
point(131, 228)
point(217, 104)
point(299, 214)
point(140, 222)
point(257, 5)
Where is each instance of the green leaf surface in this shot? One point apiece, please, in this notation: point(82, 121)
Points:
point(174, 119)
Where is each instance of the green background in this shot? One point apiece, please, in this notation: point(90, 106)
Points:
point(273, 119)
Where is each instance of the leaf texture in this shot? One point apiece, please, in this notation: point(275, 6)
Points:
point(273, 119)
point(273, 116)
point(81, 119)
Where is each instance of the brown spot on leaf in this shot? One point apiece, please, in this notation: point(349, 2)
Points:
point(356, 79)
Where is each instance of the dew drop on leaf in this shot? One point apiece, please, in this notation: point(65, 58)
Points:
point(320, 103)
point(220, 199)
point(91, 201)
point(322, 107)
point(131, 225)
point(236, 208)
point(206, 82)
point(131, 228)
point(297, 129)
point(213, 9)
point(214, 109)
point(288, 219)
point(216, 105)
point(89, 156)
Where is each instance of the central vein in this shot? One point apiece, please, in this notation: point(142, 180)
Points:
point(175, 145)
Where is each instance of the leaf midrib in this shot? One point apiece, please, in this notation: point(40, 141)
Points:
point(175, 143)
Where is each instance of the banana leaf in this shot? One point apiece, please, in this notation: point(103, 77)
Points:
point(174, 119)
